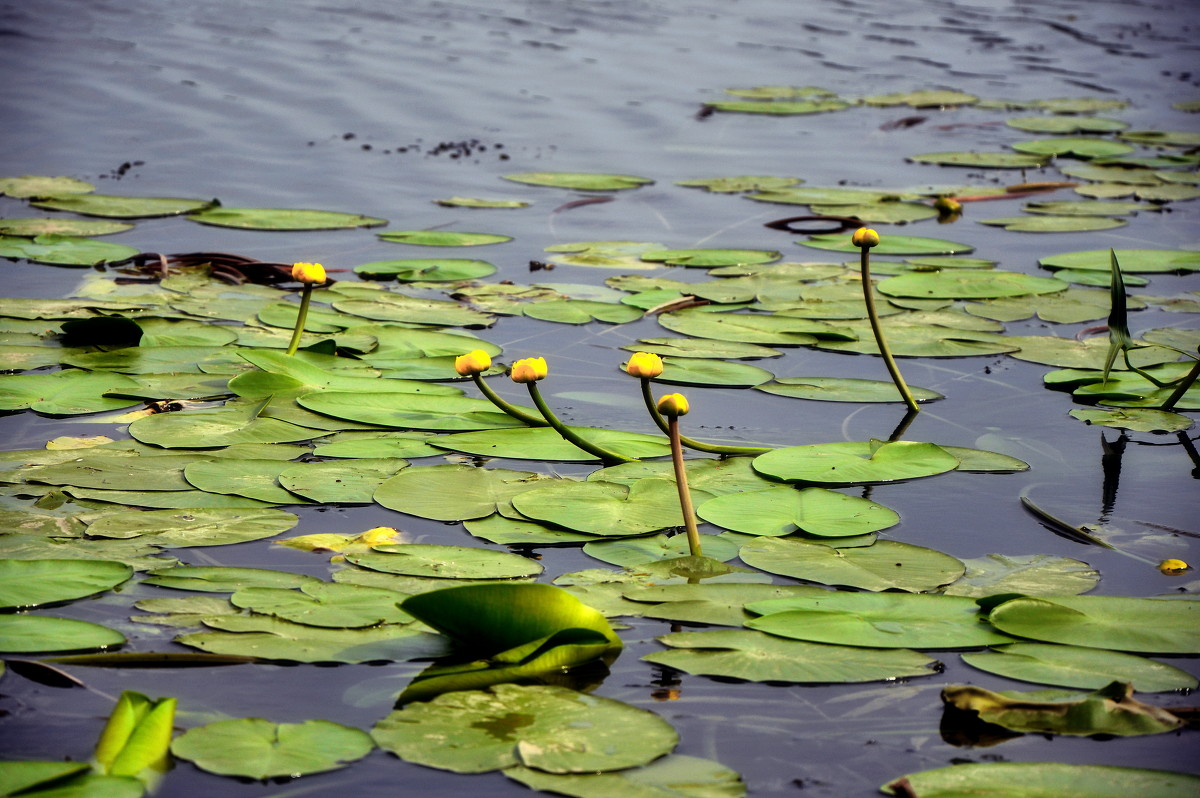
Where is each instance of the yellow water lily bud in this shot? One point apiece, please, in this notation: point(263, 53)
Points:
point(1172, 567)
point(673, 404)
point(947, 206)
point(380, 534)
point(309, 273)
point(474, 362)
point(530, 369)
point(644, 365)
point(865, 238)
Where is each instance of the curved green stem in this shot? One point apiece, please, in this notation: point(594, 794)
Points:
point(1181, 388)
point(876, 328)
point(301, 318)
point(607, 457)
point(511, 409)
point(686, 441)
point(685, 495)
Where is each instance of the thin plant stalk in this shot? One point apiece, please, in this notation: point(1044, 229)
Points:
point(1182, 386)
point(873, 316)
point(688, 442)
point(301, 318)
point(685, 495)
point(511, 409)
point(606, 456)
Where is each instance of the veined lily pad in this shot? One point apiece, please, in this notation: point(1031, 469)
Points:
point(409, 410)
point(63, 250)
point(1138, 419)
point(1032, 575)
point(454, 492)
point(29, 583)
point(715, 373)
point(675, 775)
point(401, 308)
point(40, 186)
point(968, 284)
point(923, 98)
point(115, 207)
point(1064, 125)
point(1142, 261)
point(68, 392)
point(222, 426)
point(193, 527)
point(877, 620)
point(606, 508)
point(427, 269)
point(1081, 147)
point(843, 389)
point(377, 445)
point(30, 228)
point(445, 562)
point(890, 245)
point(352, 481)
point(31, 634)
point(442, 238)
point(871, 567)
point(1144, 625)
point(783, 511)
point(633, 551)
point(282, 219)
point(550, 729)
point(581, 311)
point(582, 181)
point(758, 657)
point(736, 185)
point(510, 531)
point(220, 579)
point(1073, 666)
point(853, 463)
point(987, 160)
point(1054, 224)
point(1046, 778)
point(325, 604)
point(706, 258)
point(259, 749)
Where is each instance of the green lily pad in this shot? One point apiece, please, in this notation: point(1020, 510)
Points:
point(854, 463)
point(34, 634)
point(29, 583)
point(783, 511)
point(1162, 138)
point(968, 284)
point(1144, 625)
point(1045, 779)
point(339, 482)
point(442, 238)
point(282, 219)
point(31, 228)
point(674, 775)
point(887, 212)
point(377, 445)
point(1030, 575)
point(408, 410)
point(1138, 419)
point(255, 748)
point(1080, 147)
point(194, 527)
point(923, 98)
point(1054, 224)
point(546, 728)
point(985, 160)
point(712, 373)
point(39, 186)
point(877, 620)
point(754, 328)
point(63, 250)
point(1074, 666)
point(581, 311)
point(890, 245)
point(223, 426)
point(413, 270)
point(1086, 208)
point(583, 181)
point(325, 604)
point(67, 392)
point(444, 562)
point(780, 92)
point(736, 185)
point(777, 107)
point(706, 258)
point(606, 508)
point(843, 389)
point(510, 531)
point(700, 347)
point(115, 207)
point(634, 551)
point(454, 492)
point(884, 565)
point(476, 202)
point(1064, 125)
point(1141, 261)
point(758, 657)
point(386, 306)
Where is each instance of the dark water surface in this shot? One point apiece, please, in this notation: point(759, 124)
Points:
point(381, 107)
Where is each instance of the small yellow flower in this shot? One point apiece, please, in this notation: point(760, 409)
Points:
point(530, 369)
point(378, 535)
point(865, 238)
point(644, 365)
point(474, 362)
point(309, 273)
point(673, 404)
point(1173, 567)
point(947, 206)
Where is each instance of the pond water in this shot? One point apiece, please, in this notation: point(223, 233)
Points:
point(380, 108)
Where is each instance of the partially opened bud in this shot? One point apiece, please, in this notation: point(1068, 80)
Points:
point(865, 238)
point(947, 206)
point(1173, 567)
point(308, 273)
point(644, 365)
point(530, 369)
point(474, 362)
point(673, 405)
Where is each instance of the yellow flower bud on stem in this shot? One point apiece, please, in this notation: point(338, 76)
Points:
point(511, 409)
point(866, 238)
point(604, 455)
point(699, 446)
point(308, 274)
point(685, 495)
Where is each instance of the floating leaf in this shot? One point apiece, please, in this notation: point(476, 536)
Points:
point(1162, 138)
point(734, 185)
point(255, 748)
point(1054, 224)
point(39, 186)
point(890, 245)
point(29, 583)
point(1082, 147)
point(550, 729)
point(454, 492)
point(986, 160)
point(68, 392)
point(843, 389)
point(33, 634)
point(1073, 666)
point(194, 527)
point(581, 311)
point(441, 238)
point(606, 508)
point(777, 107)
point(700, 347)
point(445, 562)
point(675, 775)
point(31, 228)
point(350, 482)
point(220, 579)
point(408, 410)
point(883, 565)
point(579, 180)
point(856, 462)
point(114, 207)
point(1066, 124)
point(325, 604)
point(543, 443)
point(1135, 418)
point(223, 426)
point(474, 202)
point(1032, 575)
point(783, 511)
point(968, 284)
point(1114, 622)
point(1044, 778)
point(427, 269)
point(510, 531)
point(706, 258)
point(923, 98)
point(282, 219)
point(630, 552)
point(877, 620)
point(713, 373)
point(63, 250)
point(749, 328)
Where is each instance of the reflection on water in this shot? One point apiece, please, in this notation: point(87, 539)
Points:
point(382, 108)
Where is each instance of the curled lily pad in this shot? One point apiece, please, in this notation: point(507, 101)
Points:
point(583, 181)
point(282, 219)
point(256, 748)
point(442, 238)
